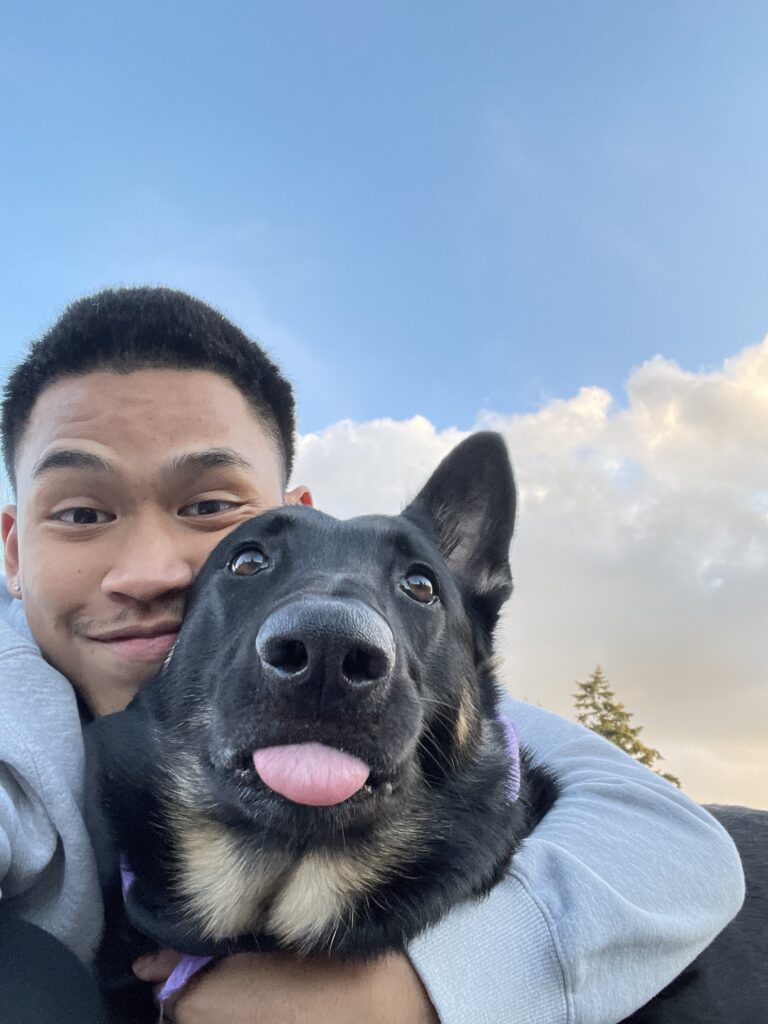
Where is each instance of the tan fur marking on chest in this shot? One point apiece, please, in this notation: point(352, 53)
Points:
point(327, 888)
point(321, 893)
point(229, 889)
point(222, 886)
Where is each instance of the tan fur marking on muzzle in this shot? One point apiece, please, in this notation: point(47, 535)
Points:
point(466, 719)
point(462, 727)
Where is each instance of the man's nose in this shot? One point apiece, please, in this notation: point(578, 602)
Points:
point(150, 562)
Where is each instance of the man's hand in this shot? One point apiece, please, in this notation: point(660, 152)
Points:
point(277, 988)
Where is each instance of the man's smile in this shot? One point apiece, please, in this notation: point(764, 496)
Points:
point(143, 643)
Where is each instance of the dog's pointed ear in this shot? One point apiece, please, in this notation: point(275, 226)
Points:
point(469, 504)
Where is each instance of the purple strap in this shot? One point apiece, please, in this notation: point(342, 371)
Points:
point(188, 966)
point(127, 877)
point(513, 749)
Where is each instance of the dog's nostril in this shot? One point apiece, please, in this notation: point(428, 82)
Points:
point(361, 666)
point(288, 656)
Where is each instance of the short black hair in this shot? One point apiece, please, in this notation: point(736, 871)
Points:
point(121, 330)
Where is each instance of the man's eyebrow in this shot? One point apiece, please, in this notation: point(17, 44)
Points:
point(70, 458)
point(187, 464)
point(210, 458)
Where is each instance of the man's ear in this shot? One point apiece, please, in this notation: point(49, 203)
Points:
point(298, 496)
point(9, 525)
point(469, 505)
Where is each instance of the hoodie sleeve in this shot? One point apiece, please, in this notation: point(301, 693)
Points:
point(28, 835)
point(47, 868)
point(621, 885)
point(28, 838)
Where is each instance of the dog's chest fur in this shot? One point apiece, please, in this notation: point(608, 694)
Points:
point(230, 888)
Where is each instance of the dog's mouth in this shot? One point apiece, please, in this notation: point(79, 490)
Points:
point(311, 775)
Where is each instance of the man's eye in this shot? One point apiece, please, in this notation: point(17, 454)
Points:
point(208, 507)
point(83, 516)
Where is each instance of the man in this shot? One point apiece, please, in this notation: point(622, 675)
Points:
point(140, 430)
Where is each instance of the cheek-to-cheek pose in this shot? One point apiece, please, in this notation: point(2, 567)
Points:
point(141, 430)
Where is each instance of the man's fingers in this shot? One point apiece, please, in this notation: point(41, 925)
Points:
point(157, 966)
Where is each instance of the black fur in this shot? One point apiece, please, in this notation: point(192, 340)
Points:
point(421, 710)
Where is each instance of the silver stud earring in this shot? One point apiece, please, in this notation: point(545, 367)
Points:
point(17, 587)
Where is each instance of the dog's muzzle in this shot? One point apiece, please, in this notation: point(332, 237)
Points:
point(330, 646)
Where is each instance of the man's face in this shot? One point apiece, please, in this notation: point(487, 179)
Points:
point(125, 483)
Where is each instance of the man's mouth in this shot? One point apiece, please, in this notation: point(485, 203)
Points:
point(141, 643)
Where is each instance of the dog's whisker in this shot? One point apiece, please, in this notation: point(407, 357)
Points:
point(430, 746)
point(441, 703)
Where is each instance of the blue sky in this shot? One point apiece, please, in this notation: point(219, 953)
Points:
point(419, 207)
point(438, 208)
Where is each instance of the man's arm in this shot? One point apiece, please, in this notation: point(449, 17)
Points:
point(265, 988)
point(621, 885)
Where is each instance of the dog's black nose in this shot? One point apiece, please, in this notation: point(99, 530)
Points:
point(326, 643)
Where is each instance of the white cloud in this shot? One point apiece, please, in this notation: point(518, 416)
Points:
point(642, 544)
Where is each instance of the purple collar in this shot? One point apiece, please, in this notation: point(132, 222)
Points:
point(188, 966)
point(513, 749)
point(184, 969)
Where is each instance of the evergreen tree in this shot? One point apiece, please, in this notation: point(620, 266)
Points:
point(598, 709)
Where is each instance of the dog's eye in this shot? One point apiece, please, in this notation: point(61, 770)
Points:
point(420, 587)
point(248, 562)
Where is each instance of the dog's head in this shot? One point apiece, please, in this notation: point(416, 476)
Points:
point(332, 677)
point(307, 637)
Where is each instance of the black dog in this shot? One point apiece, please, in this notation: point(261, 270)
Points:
point(320, 766)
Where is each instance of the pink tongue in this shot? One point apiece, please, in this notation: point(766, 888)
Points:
point(310, 773)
